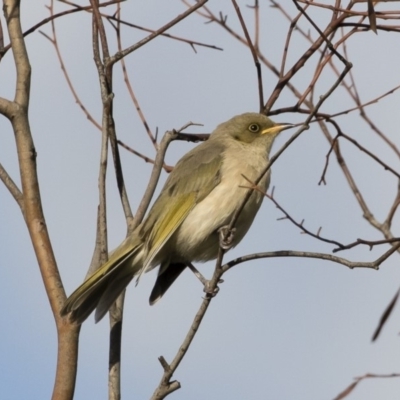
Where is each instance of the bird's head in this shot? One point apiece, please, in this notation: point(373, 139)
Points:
point(251, 128)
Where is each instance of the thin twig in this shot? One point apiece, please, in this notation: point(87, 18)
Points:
point(108, 133)
point(166, 386)
point(129, 85)
point(158, 32)
point(369, 243)
point(384, 317)
point(192, 43)
point(361, 148)
point(167, 168)
point(306, 254)
point(53, 17)
point(323, 38)
point(352, 386)
point(253, 53)
point(293, 26)
point(388, 221)
point(12, 187)
point(54, 42)
point(294, 222)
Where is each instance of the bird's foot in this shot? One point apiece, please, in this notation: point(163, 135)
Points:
point(211, 292)
point(226, 236)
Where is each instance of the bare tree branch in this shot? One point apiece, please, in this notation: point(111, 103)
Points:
point(33, 213)
point(253, 53)
point(306, 254)
point(4, 49)
point(192, 43)
point(12, 188)
point(385, 316)
point(158, 32)
point(353, 385)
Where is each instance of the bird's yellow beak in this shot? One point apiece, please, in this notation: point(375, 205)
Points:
point(276, 129)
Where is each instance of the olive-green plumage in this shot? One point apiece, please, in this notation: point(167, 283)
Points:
point(199, 197)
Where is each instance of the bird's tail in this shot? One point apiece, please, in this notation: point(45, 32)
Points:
point(100, 290)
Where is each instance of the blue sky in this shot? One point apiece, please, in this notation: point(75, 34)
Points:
point(279, 328)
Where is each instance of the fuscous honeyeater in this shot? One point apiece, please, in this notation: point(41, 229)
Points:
point(199, 197)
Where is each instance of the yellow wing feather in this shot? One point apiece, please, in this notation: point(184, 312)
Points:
point(164, 228)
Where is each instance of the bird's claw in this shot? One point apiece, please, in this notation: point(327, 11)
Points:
point(226, 236)
point(210, 292)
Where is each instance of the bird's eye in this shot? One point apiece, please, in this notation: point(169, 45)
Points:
point(254, 128)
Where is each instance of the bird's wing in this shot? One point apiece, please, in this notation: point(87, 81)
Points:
point(192, 179)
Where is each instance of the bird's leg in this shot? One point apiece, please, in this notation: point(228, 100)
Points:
point(203, 280)
point(226, 237)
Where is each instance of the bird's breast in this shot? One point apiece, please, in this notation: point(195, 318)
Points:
point(197, 239)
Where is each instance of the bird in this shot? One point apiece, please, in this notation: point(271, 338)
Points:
point(199, 198)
